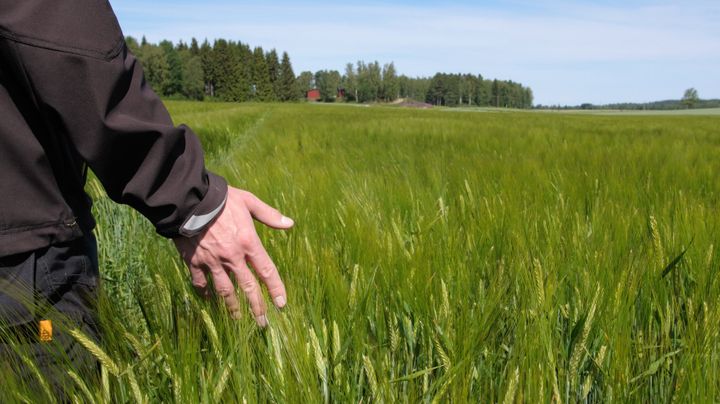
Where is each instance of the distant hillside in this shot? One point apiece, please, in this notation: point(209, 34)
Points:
point(664, 105)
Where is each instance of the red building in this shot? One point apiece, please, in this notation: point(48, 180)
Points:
point(313, 95)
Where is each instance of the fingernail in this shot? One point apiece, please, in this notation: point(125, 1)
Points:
point(280, 302)
point(262, 321)
point(286, 221)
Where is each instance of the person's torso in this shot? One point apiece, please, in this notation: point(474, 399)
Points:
point(41, 177)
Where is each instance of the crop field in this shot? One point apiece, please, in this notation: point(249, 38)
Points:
point(438, 256)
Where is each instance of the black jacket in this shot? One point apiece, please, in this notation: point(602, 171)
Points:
point(72, 96)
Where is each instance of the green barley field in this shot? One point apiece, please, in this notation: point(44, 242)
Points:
point(438, 256)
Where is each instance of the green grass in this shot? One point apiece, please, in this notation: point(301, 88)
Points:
point(437, 256)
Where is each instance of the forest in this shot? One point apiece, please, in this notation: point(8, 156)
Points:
point(237, 72)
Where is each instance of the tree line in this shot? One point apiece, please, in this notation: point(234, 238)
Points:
point(690, 100)
point(235, 71)
point(225, 70)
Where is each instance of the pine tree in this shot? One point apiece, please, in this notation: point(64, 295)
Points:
point(173, 84)
point(273, 67)
point(227, 81)
point(193, 85)
point(262, 89)
point(208, 60)
point(495, 93)
point(244, 70)
point(194, 48)
point(436, 91)
point(286, 83)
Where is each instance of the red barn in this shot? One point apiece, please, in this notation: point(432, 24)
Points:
point(313, 95)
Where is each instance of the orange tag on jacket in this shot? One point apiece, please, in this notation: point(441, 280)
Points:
point(45, 330)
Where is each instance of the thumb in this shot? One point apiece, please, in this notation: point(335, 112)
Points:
point(265, 213)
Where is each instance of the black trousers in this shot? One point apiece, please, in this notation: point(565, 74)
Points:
point(43, 295)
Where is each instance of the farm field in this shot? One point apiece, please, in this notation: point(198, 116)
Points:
point(438, 256)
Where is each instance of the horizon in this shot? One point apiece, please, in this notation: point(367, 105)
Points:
point(637, 51)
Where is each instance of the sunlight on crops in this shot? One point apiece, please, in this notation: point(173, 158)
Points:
point(437, 256)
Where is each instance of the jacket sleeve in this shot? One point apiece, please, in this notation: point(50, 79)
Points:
point(92, 90)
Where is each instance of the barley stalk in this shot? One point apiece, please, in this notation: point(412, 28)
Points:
point(512, 387)
point(657, 243)
point(139, 348)
point(222, 384)
point(91, 346)
point(556, 389)
point(445, 307)
point(337, 369)
point(135, 387)
point(370, 373)
point(539, 284)
point(276, 348)
point(320, 363)
point(82, 385)
point(105, 379)
point(353, 286)
point(44, 387)
point(578, 352)
point(601, 356)
point(212, 332)
point(709, 257)
point(587, 385)
point(444, 358)
point(394, 335)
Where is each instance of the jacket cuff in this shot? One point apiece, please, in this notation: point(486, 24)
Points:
point(208, 209)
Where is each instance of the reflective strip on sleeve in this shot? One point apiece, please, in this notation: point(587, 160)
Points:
point(199, 221)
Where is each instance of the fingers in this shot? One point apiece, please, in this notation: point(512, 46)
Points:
point(226, 289)
point(228, 246)
point(199, 281)
point(265, 213)
point(268, 273)
point(250, 286)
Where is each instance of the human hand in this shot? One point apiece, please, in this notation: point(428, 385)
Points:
point(226, 248)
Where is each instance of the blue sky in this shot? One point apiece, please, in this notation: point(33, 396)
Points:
point(569, 52)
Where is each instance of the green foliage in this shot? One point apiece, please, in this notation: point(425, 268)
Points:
point(155, 65)
point(437, 256)
point(328, 83)
point(454, 90)
point(273, 66)
point(233, 74)
point(305, 82)
point(369, 78)
point(413, 88)
point(210, 68)
point(690, 98)
point(287, 86)
point(193, 83)
point(390, 83)
point(174, 81)
point(262, 87)
point(232, 71)
point(350, 83)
